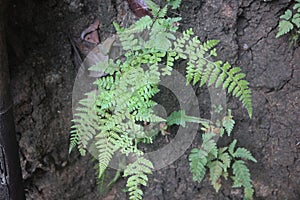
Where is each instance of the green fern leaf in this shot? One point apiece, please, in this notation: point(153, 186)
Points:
point(85, 123)
point(74, 139)
point(228, 123)
point(137, 173)
point(225, 158)
point(106, 150)
point(284, 28)
point(207, 73)
point(241, 174)
point(208, 45)
point(244, 153)
point(209, 145)
point(214, 75)
point(248, 192)
point(232, 147)
point(174, 3)
point(140, 25)
point(233, 84)
point(153, 7)
point(163, 12)
point(242, 178)
point(297, 6)
point(287, 15)
point(296, 19)
point(215, 172)
point(198, 162)
point(176, 118)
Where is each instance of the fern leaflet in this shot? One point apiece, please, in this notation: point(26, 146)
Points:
point(137, 173)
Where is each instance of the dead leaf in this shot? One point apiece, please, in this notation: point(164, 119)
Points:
point(91, 34)
point(139, 8)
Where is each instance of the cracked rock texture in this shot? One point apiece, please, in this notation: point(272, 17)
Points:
point(43, 73)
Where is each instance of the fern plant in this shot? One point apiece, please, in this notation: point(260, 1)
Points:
point(219, 160)
point(111, 120)
point(290, 21)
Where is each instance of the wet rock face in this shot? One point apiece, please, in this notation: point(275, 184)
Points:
point(43, 75)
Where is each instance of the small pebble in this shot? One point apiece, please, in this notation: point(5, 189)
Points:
point(245, 47)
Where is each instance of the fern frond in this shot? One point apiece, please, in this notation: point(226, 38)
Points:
point(232, 147)
point(139, 26)
point(248, 193)
point(167, 70)
point(287, 15)
point(242, 174)
point(106, 148)
point(239, 87)
point(209, 144)
point(201, 69)
point(209, 45)
point(297, 6)
point(174, 3)
point(284, 28)
point(198, 161)
point(163, 12)
point(242, 178)
point(85, 121)
point(215, 172)
point(225, 158)
point(153, 7)
point(137, 173)
point(228, 123)
point(296, 19)
point(74, 139)
point(244, 153)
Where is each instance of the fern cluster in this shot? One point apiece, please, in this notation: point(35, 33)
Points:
point(218, 161)
point(290, 20)
point(111, 120)
point(214, 159)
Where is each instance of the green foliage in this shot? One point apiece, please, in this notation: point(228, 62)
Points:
point(202, 70)
point(137, 177)
point(115, 118)
point(85, 124)
point(218, 161)
point(180, 118)
point(174, 3)
point(228, 123)
point(290, 20)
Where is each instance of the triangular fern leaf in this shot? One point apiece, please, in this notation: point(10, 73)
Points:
point(284, 28)
point(228, 124)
